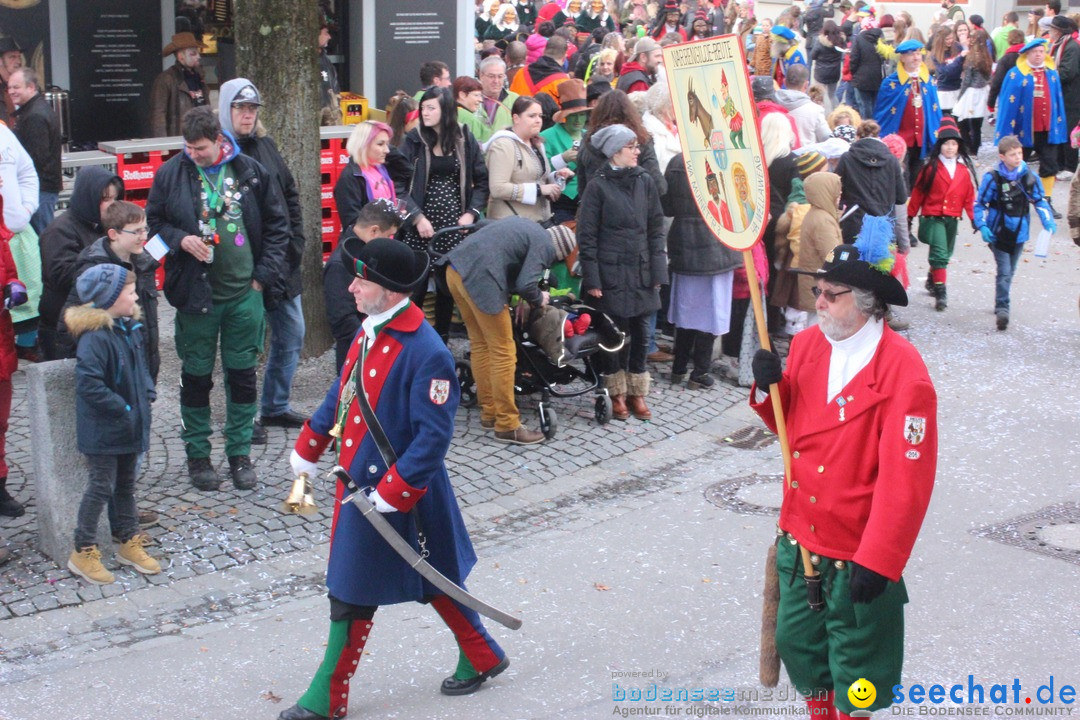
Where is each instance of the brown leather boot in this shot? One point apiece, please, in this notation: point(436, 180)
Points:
point(618, 408)
point(636, 404)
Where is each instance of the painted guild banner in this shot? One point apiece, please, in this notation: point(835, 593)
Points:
point(721, 142)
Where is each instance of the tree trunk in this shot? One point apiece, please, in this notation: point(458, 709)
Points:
point(277, 49)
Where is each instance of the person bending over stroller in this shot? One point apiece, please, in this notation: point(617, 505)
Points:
point(503, 257)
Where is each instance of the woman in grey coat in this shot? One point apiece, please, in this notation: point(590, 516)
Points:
point(623, 262)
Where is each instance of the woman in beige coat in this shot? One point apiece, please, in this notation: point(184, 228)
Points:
point(820, 233)
point(520, 180)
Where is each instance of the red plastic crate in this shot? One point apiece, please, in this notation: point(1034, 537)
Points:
point(137, 169)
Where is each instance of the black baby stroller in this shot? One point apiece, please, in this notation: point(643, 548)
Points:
point(549, 362)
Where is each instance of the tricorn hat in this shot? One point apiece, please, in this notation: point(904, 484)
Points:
point(181, 41)
point(572, 94)
point(386, 262)
point(844, 266)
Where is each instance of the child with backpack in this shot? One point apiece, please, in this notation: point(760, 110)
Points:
point(942, 191)
point(1002, 216)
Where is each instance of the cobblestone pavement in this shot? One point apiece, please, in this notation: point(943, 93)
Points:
point(202, 533)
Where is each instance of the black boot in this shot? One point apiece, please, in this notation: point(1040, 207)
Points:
point(703, 352)
point(202, 473)
point(243, 475)
point(453, 686)
point(298, 713)
point(9, 506)
point(683, 347)
point(941, 299)
point(930, 283)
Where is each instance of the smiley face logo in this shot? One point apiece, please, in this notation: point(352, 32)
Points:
point(862, 693)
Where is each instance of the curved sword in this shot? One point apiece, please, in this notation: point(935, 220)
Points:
point(414, 560)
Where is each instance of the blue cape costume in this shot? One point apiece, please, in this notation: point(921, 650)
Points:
point(892, 101)
point(1017, 99)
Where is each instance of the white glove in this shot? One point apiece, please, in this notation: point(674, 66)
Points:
point(301, 466)
point(380, 504)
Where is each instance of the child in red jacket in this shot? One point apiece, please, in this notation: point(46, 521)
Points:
point(943, 190)
point(14, 294)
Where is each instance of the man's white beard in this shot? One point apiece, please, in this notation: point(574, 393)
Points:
point(837, 329)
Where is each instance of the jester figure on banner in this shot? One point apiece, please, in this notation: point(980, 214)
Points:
point(731, 114)
point(907, 104)
point(785, 52)
point(1032, 107)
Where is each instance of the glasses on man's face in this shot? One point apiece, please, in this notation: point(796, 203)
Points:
point(494, 76)
point(830, 295)
point(137, 232)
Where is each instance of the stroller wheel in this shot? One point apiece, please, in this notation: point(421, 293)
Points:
point(549, 420)
point(466, 382)
point(602, 410)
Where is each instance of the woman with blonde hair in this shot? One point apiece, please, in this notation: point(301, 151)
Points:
point(375, 170)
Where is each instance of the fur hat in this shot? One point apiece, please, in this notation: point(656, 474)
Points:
point(611, 139)
point(386, 262)
point(563, 239)
point(100, 285)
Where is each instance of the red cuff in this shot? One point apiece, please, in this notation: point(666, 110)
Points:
point(394, 490)
point(310, 444)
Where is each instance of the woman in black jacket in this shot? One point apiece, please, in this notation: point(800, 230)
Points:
point(615, 108)
point(620, 234)
point(376, 169)
point(449, 185)
point(702, 277)
point(827, 58)
point(867, 70)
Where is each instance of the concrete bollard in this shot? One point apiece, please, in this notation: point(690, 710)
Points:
point(60, 473)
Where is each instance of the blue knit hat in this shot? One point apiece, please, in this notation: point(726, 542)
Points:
point(909, 46)
point(100, 285)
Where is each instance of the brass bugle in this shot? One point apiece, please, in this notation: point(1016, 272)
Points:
point(300, 501)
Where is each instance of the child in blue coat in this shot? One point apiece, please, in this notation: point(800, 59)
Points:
point(113, 392)
point(1002, 216)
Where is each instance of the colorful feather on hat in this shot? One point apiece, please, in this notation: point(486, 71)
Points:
point(875, 242)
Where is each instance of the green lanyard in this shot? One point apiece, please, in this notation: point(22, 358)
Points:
point(215, 205)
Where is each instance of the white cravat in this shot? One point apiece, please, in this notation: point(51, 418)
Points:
point(851, 355)
point(950, 165)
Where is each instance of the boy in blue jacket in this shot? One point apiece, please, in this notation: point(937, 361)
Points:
point(113, 392)
point(1002, 216)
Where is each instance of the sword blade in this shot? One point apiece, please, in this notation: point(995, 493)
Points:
point(402, 547)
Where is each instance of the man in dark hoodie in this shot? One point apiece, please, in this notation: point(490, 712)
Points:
point(224, 219)
point(238, 109)
point(65, 237)
point(871, 179)
point(866, 66)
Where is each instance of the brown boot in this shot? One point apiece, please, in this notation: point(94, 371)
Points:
point(616, 387)
point(637, 388)
point(618, 408)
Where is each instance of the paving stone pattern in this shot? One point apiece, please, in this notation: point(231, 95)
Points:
point(204, 532)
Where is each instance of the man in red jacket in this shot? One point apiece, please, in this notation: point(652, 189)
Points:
point(861, 418)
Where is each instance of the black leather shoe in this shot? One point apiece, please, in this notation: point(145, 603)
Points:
point(243, 475)
point(9, 506)
point(258, 434)
point(287, 419)
point(298, 713)
point(452, 686)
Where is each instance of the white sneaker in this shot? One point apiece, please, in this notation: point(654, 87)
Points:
point(1064, 175)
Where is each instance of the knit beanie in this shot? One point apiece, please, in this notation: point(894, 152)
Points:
point(896, 145)
point(809, 163)
point(100, 285)
point(563, 239)
point(611, 139)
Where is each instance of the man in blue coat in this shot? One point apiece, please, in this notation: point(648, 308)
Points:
point(404, 369)
point(1032, 107)
point(907, 104)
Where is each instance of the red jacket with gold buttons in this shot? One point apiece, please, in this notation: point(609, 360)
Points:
point(947, 196)
point(863, 465)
